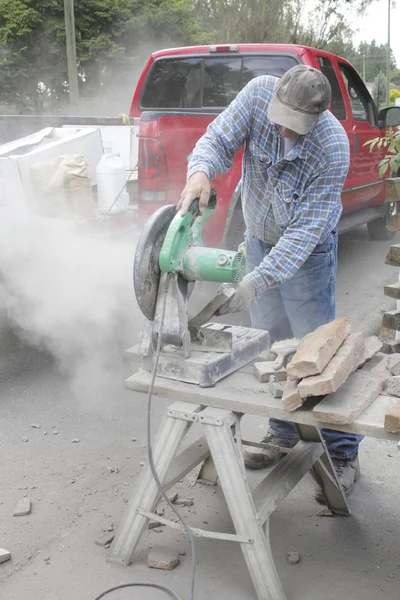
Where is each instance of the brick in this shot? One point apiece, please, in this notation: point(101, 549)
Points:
point(350, 401)
point(291, 398)
point(5, 555)
point(317, 348)
point(264, 370)
point(23, 508)
point(393, 386)
point(391, 319)
point(392, 419)
point(346, 360)
point(372, 345)
point(162, 558)
point(393, 256)
point(393, 290)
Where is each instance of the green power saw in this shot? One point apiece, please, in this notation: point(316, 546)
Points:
point(170, 257)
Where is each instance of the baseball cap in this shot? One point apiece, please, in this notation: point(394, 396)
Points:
point(301, 95)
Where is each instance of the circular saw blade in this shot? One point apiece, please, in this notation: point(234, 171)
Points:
point(146, 269)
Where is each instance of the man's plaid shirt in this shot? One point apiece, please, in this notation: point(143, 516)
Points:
point(292, 202)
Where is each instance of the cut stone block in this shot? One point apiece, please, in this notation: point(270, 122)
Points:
point(392, 419)
point(392, 290)
point(275, 387)
point(5, 555)
point(372, 345)
point(264, 370)
point(291, 398)
point(317, 348)
point(23, 508)
point(391, 346)
point(391, 319)
point(345, 361)
point(393, 386)
point(162, 558)
point(393, 256)
point(345, 405)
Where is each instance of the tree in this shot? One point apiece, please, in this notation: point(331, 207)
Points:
point(395, 77)
point(394, 94)
point(379, 89)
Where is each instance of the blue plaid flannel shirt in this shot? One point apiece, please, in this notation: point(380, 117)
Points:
point(291, 202)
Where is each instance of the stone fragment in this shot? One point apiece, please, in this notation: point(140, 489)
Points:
point(24, 439)
point(184, 501)
point(391, 346)
point(75, 441)
point(105, 539)
point(173, 498)
point(162, 558)
point(293, 558)
point(393, 256)
point(275, 387)
point(35, 426)
point(5, 555)
point(372, 345)
point(346, 360)
point(264, 370)
point(317, 348)
point(23, 508)
point(345, 405)
point(154, 524)
point(291, 398)
point(55, 432)
point(325, 512)
point(392, 419)
point(395, 364)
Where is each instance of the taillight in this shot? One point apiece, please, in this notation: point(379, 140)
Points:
point(152, 171)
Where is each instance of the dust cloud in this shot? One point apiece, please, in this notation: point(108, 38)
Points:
point(71, 293)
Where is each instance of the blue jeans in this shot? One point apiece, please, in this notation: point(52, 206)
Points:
point(296, 308)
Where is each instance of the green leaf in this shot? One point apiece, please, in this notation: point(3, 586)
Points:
point(383, 167)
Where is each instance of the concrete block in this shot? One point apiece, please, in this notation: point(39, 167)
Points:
point(393, 386)
point(264, 370)
point(162, 558)
point(5, 555)
point(23, 508)
point(346, 360)
point(317, 348)
point(291, 398)
point(393, 290)
point(392, 419)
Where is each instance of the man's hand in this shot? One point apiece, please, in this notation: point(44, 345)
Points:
point(241, 299)
point(197, 186)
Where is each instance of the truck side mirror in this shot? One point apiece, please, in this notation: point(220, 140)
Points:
point(389, 117)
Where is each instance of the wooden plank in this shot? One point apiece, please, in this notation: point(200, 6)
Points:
point(345, 405)
point(392, 419)
point(393, 256)
point(317, 348)
point(242, 393)
point(346, 360)
point(391, 320)
point(392, 290)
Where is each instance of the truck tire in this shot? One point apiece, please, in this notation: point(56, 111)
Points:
point(377, 229)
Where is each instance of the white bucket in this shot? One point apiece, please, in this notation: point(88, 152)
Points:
point(112, 196)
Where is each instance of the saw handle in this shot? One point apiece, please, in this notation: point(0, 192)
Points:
point(212, 203)
point(199, 222)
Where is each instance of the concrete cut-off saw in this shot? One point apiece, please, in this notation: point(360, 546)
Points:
point(169, 259)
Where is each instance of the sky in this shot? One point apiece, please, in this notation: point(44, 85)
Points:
point(374, 25)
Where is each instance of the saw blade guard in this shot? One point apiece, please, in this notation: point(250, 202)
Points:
point(183, 251)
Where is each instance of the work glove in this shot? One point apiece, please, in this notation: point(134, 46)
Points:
point(244, 294)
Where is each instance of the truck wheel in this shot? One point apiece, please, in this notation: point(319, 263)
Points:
point(377, 229)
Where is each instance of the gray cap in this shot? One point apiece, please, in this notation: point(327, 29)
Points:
point(302, 94)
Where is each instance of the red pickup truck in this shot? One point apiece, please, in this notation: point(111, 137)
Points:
point(181, 90)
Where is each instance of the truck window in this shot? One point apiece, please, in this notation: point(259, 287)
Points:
point(206, 82)
point(337, 106)
point(361, 102)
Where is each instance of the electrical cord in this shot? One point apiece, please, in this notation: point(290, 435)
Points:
point(153, 469)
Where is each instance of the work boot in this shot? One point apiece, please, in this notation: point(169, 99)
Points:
point(348, 471)
point(260, 458)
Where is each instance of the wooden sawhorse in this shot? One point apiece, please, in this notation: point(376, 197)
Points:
point(249, 510)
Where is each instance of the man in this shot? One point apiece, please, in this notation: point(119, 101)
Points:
point(295, 163)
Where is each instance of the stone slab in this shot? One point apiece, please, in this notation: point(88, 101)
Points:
point(317, 348)
point(291, 398)
point(345, 361)
point(372, 345)
point(264, 370)
point(354, 396)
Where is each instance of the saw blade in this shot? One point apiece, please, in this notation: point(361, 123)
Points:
point(146, 269)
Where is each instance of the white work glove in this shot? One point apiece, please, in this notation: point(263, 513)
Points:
point(241, 299)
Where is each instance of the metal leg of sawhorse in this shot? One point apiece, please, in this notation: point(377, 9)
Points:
point(220, 446)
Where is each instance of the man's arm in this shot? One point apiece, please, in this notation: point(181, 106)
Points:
point(316, 214)
point(215, 151)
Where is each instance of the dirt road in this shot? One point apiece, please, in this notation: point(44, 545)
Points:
point(79, 488)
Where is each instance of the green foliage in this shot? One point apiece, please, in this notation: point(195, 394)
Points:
point(393, 94)
point(391, 142)
point(379, 89)
point(395, 77)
